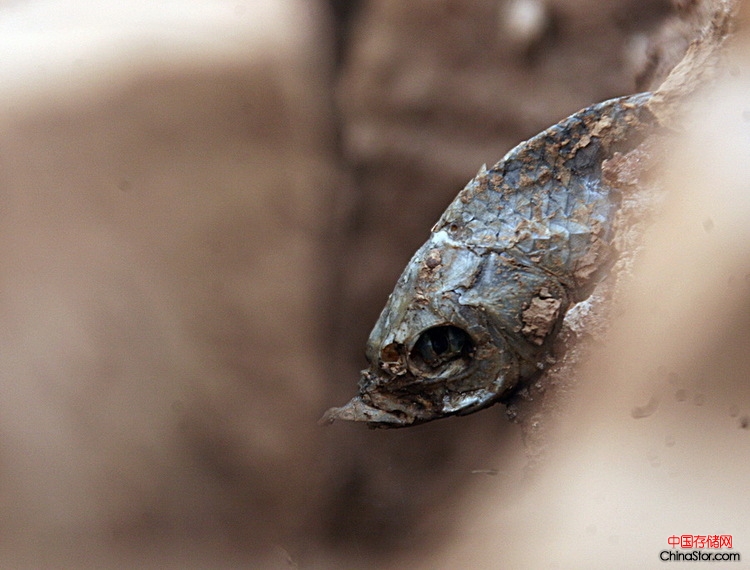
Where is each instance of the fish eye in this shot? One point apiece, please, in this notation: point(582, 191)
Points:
point(440, 345)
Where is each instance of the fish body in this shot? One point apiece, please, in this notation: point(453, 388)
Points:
point(478, 306)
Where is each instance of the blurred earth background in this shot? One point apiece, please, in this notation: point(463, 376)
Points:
point(203, 207)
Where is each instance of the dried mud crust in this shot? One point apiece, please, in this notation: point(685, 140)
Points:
point(540, 317)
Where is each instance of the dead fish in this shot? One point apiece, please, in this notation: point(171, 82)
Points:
point(477, 308)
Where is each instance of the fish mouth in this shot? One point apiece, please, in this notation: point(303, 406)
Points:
point(380, 404)
point(357, 410)
point(387, 410)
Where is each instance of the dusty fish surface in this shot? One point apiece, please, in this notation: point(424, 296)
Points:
point(479, 305)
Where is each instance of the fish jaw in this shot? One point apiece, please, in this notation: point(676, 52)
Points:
point(356, 410)
point(381, 407)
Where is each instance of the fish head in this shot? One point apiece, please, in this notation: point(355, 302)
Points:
point(460, 329)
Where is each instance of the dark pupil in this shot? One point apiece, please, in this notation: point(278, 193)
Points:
point(439, 345)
